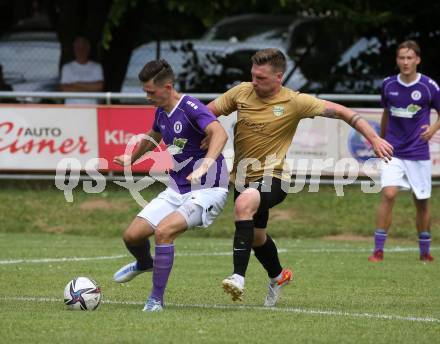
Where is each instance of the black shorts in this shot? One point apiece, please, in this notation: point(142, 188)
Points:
point(268, 198)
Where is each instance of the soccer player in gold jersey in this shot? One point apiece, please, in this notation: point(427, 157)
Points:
point(267, 117)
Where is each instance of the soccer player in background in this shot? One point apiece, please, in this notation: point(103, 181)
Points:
point(407, 99)
point(267, 117)
point(198, 181)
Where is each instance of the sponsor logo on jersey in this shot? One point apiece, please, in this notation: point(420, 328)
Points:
point(407, 112)
point(394, 93)
point(177, 146)
point(278, 110)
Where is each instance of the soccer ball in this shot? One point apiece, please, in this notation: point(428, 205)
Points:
point(82, 293)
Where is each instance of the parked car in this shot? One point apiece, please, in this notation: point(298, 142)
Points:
point(30, 60)
point(202, 66)
point(243, 28)
point(221, 58)
point(325, 55)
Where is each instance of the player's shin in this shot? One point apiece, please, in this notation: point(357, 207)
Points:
point(424, 245)
point(141, 253)
point(267, 255)
point(380, 236)
point(163, 263)
point(244, 234)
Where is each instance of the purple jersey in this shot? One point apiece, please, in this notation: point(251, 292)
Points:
point(409, 107)
point(182, 130)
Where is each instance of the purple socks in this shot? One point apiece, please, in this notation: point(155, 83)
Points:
point(379, 240)
point(424, 242)
point(163, 263)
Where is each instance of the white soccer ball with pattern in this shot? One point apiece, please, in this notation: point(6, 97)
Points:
point(82, 293)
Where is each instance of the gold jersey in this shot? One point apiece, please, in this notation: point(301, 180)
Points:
point(265, 128)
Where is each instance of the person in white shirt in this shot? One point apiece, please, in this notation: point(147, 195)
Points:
point(81, 75)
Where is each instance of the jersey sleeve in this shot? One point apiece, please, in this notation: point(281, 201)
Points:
point(201, 116)
point(227, 102)
point(435, 95)
point(309, 106)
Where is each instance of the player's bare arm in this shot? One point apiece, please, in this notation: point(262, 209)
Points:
point(144, 146)
point(217, 140)
point(381, 147)
point(384, 122)
point(213, 108)
point(430, 130)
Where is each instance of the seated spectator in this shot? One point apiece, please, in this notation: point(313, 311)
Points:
point(81, 75)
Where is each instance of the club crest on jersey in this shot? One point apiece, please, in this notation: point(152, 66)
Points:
point(278, 110)
point(177, 146)
point(178, 127)
point(416, 95)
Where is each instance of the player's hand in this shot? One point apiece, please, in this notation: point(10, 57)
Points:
point(199, 172)
point(427, 133)
point(382, 148)
point(196, 175)
point(122, 160)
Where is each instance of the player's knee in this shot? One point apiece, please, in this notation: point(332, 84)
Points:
point(422, 205)
point(163, 235)
point(389, 195)
point(246, 205)
point(131, 237)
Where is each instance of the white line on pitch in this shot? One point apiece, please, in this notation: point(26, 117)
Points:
point(252, 308)
point(204, 254)
point(80, 259)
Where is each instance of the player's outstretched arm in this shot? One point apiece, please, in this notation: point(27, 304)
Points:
point(213, 108)
point(217, 140)
point(146, 144)
point(381, 147)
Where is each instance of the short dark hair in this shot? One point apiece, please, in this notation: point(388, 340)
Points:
point(410, 44)
point(270, 56)
point(159, 71)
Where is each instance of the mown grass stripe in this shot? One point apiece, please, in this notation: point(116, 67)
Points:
point(255, 308)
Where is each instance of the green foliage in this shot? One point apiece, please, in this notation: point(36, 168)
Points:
point(117, 12)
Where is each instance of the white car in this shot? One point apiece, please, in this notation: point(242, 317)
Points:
point(221, 58)
point(203, 66)
point(30, 60)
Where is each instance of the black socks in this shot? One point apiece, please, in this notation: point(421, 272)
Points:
point(244, 235)
point(267, 255)
point(142, 254)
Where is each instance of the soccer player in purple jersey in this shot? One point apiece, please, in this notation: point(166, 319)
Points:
point(198, 181)
point(407, 99)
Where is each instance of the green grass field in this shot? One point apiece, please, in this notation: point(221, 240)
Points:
point(337, 295)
